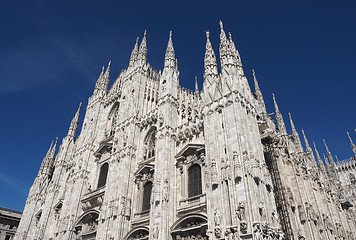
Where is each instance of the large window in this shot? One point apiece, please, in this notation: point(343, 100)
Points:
point(146, 201)
point(103, 175)
point(194, 181)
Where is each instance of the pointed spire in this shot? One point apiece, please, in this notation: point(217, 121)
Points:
point(307, 146)
point(279, 118)
point(352, 143)
point(107, 74)
point(74, 124)
point(320, 162)
point(196, 86)
point(326, 160)
point(49, 150)
point(261, 102)
point(210, 65)
point(222, 32)
point(330, 156)
point(169, 59)
point(102, 83)
point(228, 55)
point(53, 151)
point(295, 134)
point(142, 53)
point(134, 54)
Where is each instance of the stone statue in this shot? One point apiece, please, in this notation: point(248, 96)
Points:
point(240, 211)
point(217, 218)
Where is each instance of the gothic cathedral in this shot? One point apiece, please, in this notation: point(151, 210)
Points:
point(156, 161)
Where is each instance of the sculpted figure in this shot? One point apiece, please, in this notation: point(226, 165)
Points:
point(240, 211)
point(165, 190)
point(217, 218)
point(155, 232)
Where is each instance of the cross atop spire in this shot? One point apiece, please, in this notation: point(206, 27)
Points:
point(279, 117)
point(170, 60)
point(352, 143)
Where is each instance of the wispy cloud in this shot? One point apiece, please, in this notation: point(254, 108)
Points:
point(14, 183)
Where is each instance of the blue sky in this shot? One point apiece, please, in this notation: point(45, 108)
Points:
point(51, 53)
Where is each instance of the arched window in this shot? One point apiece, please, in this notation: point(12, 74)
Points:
point(103, 175)
point(146, 201)
point(194, 180)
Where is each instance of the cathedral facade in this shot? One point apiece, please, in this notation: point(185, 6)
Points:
point(156, 161)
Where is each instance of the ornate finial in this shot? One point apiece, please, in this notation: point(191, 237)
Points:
point(230, 37)
point(196, 85)
point(207, 34)
point(306, 142)
point(144, 34)
point(109, 63)
point(353, 146)
point(221, 24)
point(275, 103)
point(136, 40)
point(170, 33)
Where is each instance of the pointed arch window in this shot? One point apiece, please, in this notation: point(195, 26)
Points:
point(103, 175)
point(146, 200)
point(194, 180)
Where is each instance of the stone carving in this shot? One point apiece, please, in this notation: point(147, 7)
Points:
point(217, 218)
point(248, 163)
point(302, 216)
point(155, 233)
point(166, 190)
point(240, 211)
point(214, 174)
point(257, 231)
point(217, 231)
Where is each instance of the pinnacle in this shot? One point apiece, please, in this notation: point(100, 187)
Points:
point(255, 80)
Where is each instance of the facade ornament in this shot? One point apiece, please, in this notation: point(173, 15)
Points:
point(240, 211)
point(302, 216)
point(166, 190)
point(217, 217)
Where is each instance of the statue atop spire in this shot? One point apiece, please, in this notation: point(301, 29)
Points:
point(352, 143)
point(74, 124)
point(134, 54)
point(142, 53)
point(169, 59)
point(279, 118)
point(261, 102)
